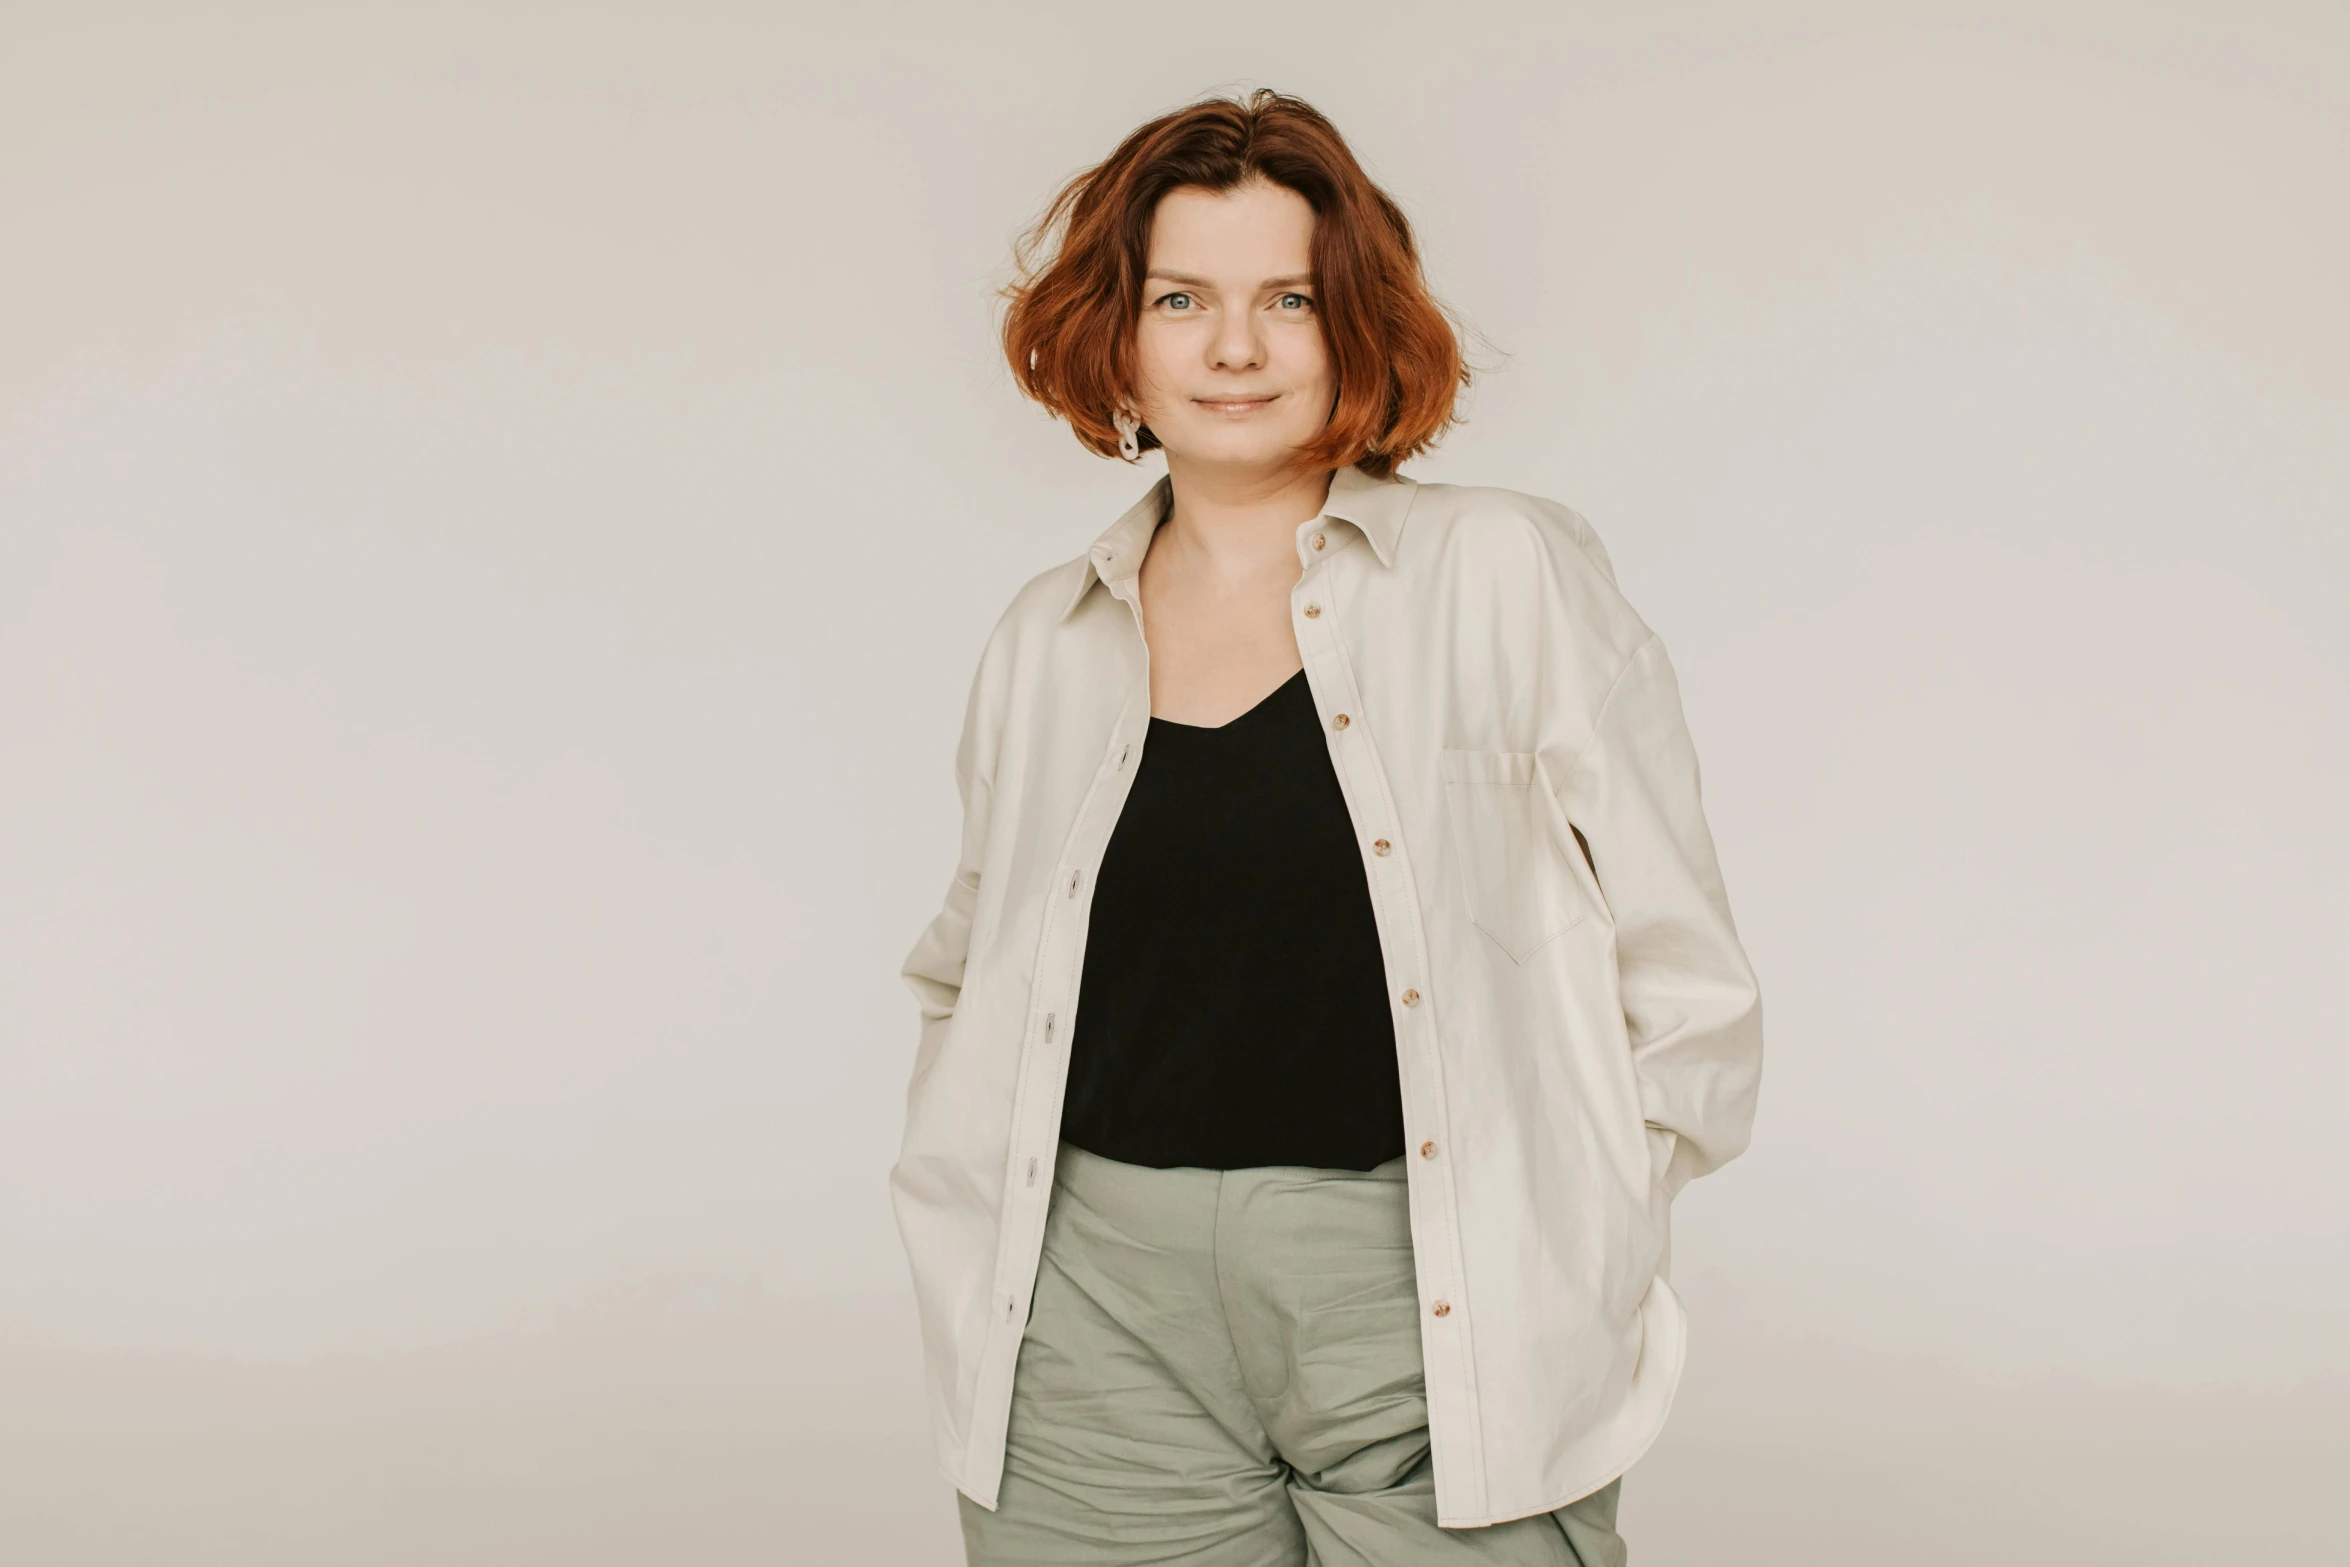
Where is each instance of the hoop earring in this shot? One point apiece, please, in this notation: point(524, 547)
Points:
point(1129, 446)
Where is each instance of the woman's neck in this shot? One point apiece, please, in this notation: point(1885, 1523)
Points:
point(1237, 524)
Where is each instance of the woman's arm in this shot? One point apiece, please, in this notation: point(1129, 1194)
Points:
point(933, 971)
point(1691, 1005)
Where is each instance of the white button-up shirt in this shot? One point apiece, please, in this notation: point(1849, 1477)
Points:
point(1577, 1029)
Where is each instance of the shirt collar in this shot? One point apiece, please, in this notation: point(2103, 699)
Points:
point(1375, 508)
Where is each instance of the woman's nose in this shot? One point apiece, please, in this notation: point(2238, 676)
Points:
point(1237, 345)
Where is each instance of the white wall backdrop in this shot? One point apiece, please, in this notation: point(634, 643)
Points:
point(498, 506)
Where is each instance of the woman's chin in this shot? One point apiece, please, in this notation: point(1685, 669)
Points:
point(1233, 448)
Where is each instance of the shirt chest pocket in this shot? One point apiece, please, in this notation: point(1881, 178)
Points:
point(1506, 836)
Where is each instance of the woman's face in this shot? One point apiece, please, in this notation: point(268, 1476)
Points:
point(1234, 373)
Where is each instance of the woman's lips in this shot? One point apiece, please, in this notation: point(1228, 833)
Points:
point(1234, 405)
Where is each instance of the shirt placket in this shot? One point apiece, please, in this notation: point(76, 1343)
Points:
point(1036, 1102)
point(1444, 1336)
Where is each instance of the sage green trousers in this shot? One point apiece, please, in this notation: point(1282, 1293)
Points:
point(1222, 1369)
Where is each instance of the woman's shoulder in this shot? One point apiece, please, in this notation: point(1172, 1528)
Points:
point(1503, 525)
point(1043, 622)
point(1037, 608)
point(1539, 557)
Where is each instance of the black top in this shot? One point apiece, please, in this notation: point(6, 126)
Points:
point(1233, 1010)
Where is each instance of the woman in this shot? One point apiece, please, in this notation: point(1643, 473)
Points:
point(1337, 983)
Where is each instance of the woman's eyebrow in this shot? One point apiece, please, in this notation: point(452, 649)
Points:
point(1188, 281)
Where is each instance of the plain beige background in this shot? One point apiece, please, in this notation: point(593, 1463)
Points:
point(498, 506)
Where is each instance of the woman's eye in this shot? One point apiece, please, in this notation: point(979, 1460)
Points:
point(1296, 302)
point(1179, 301)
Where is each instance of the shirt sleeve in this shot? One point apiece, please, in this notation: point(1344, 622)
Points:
point(1691, 1006)
point(933, 970)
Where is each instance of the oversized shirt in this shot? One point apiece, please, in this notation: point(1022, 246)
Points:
point(1578, 1031)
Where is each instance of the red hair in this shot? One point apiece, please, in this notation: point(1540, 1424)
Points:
point(1394, 354)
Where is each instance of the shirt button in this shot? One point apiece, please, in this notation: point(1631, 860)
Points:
point(1442, 1308)
point(1411, 998)
point(1312, 610)
point(1380, 846)
point(1427, 1151)
point(1340, 722)
point(1318, 541)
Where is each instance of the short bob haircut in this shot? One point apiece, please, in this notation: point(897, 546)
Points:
point(1394, 354)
